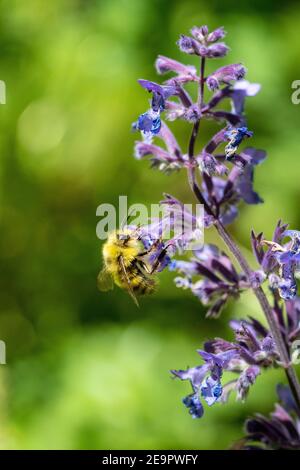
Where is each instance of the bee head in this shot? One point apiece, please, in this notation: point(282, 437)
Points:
point(123, 238)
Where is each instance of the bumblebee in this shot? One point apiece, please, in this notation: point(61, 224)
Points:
point(126, 264)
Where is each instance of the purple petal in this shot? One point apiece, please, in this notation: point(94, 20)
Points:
point(163, 90)
point(216, 35)
point(165, 64)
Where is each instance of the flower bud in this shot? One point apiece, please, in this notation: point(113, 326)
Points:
point(188, 45)
point(217, 34)
point(199, 33)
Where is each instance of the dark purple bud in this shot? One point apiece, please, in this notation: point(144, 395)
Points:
point(279, 231)
point(216, 308)
point(195, 374)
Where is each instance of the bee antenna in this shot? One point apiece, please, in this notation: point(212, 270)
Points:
point(125, 220)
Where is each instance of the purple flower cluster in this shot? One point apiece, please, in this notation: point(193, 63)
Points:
point(226, 170)
point(219, 278)
point(281, 431)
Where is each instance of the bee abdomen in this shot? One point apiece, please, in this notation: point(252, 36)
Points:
point(144, 286)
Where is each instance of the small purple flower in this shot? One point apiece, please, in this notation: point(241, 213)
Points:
point(194, 405)
point(225, 74)
point(280, 261)
point(149, 123)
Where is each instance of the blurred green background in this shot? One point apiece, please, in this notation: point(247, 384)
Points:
point(87, 370)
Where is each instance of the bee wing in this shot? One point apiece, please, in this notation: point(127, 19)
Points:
point(104, 281)
point(128, 282)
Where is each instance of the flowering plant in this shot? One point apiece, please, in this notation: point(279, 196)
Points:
point(225, 169)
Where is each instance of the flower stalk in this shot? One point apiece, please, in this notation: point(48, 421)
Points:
point(234, 249)
point(227, 178)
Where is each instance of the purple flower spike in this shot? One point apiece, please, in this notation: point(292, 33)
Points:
point(225, 74)
point(221, 176)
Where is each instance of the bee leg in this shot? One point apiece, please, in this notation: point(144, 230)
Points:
point(146, 252)
point(159, 258)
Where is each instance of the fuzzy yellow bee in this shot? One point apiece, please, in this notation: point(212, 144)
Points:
point(126, 263)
